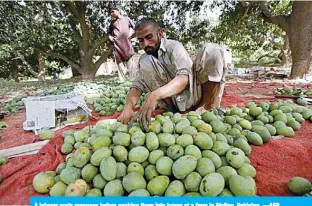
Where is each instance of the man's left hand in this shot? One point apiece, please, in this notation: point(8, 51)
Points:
point(146, 111)
point(200, 110)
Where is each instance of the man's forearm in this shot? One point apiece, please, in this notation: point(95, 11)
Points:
point(175, 86)
point(133, 97)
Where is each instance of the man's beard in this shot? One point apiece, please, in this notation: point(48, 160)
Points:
point(152, 50)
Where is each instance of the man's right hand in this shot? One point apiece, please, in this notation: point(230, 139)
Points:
point(126, 115)
point(111, 38)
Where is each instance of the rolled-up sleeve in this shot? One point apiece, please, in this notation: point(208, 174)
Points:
point(138, 82)
point(182, 64)
point(180, 59)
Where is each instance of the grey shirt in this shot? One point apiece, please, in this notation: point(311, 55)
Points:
point(209, 65)
point(173, 60)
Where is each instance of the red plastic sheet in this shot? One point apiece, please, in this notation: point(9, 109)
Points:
point(276, 162)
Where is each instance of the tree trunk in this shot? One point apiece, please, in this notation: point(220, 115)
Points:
point(285, 52)
point(87, 68)
point(89, 73)
point(75, 72)
point(41, 74)
point(15, 70)
point(270, 56)
point(300, 38)
point(28, 66)
point(298, 27)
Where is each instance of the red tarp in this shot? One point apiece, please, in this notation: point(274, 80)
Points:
point(276, 162)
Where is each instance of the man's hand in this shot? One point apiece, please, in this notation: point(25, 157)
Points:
point(200, 110)
point(111, 38)
point(126, 115)
point(146, 111)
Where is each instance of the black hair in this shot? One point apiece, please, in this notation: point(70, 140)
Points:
point(113, 8)
point(146, 22)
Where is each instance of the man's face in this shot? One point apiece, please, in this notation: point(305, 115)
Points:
point(149, 38)
point(114, 13)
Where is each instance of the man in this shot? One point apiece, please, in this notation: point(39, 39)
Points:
point(120, 33)
point(167, 73)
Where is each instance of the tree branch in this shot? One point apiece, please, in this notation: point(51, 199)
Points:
point(75, 11)
point(28, 66)
point(134, 15)
point(66, 59)
point(103, 58)
point(76, 32)
point(97, 44)
point(246, 7)
point(270, 40)
point(280, 20)
point(271, 56)
point(72, 9)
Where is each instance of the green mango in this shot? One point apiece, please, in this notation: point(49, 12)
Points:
point(175, 188)
point(235, 157)
point(192, 181)
point(108, 168)
point(184, 140)
point(205, 166)
point(241, 186)
point(175, 151)
point(150, 172)
point(213, 157)
point(181, 125)
point(135, 167)
point(133, 181)
point(155, 155)
point(263, 132)
point(152, 142)
point(212, 185)
point(138, 154)
point(247, 170)
point(254, 139)
point(227, 172)
point(114, 188)
point(99, 154)
point(81, 157)
point(299, 185)
point(184, 166)
point(203, 141)
point(166, 139)
point(243, 145)
point(158, 185)
point(88, 172)
point(194, 151)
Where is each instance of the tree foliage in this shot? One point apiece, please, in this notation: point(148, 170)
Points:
point(74, 33)
point(246, 32)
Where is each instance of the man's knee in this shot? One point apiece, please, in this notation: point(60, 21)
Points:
point(211, 94)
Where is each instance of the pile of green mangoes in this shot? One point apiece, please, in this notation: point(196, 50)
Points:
point(13, 106)
point(114, 99)
point(83, 88)
point(180, 155)
point(293, 91)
